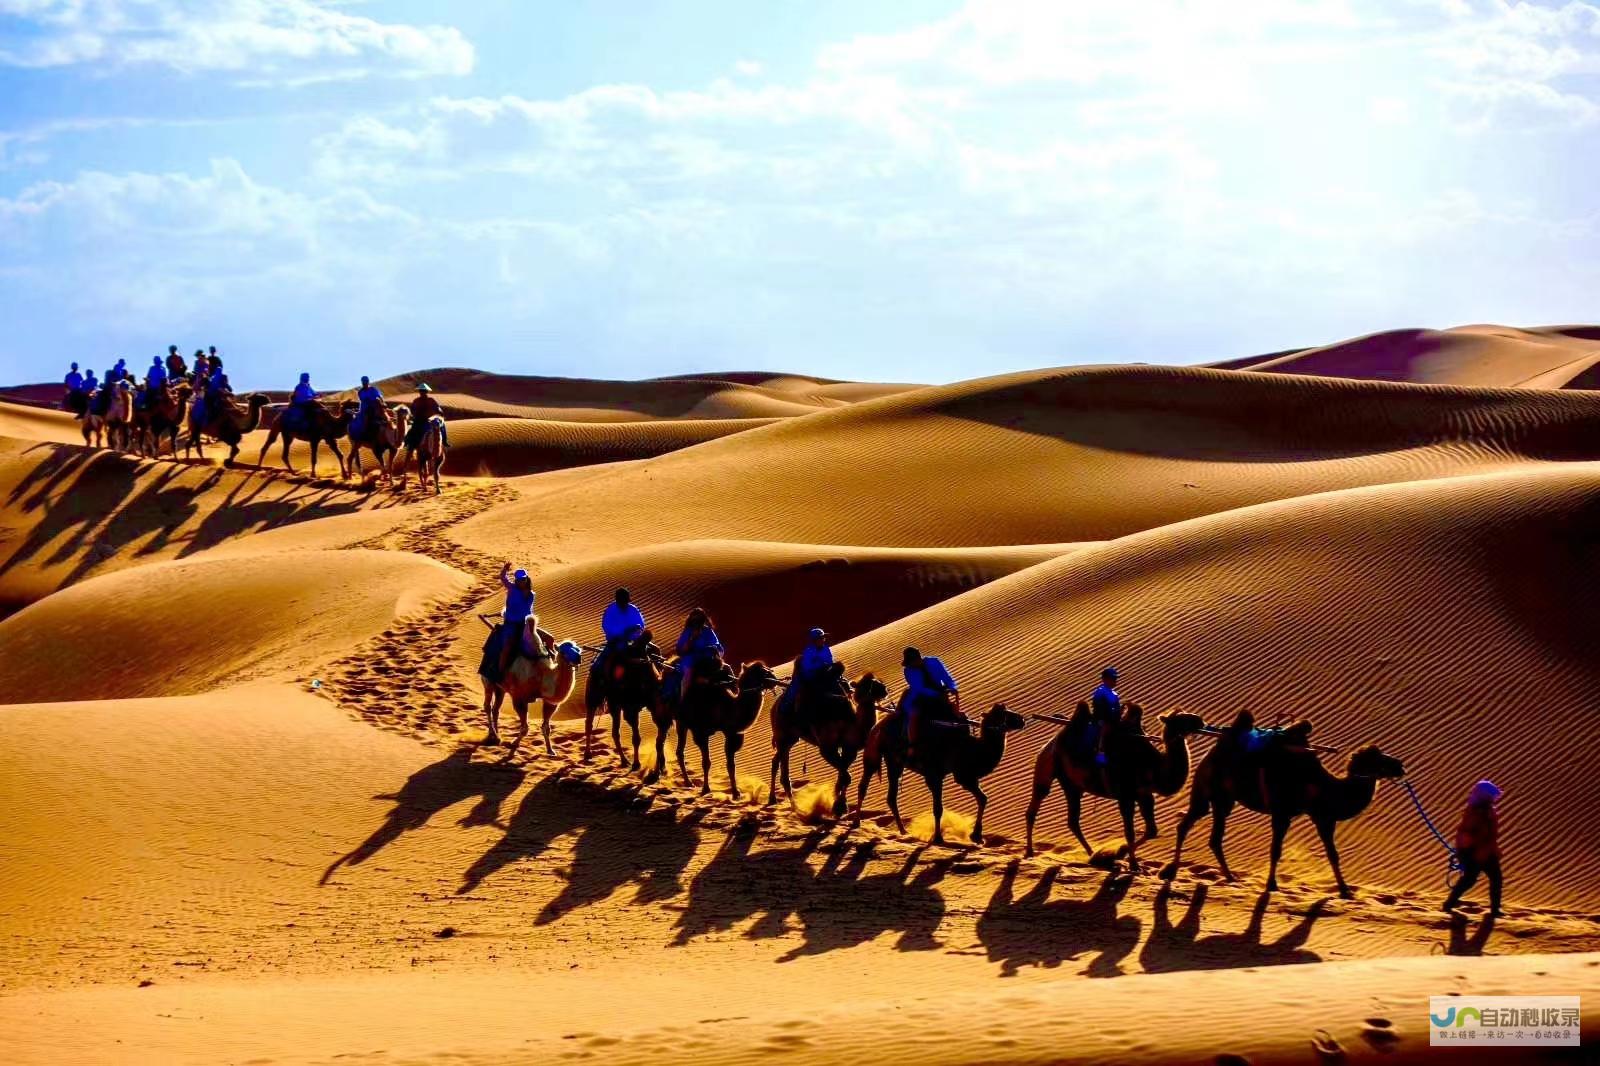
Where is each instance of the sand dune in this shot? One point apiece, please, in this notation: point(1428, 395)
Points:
point(476, 393)
point(1488, 356)
point(1392, 536)
point(186, 627)
point(67, 512)
point(505, 447)
point(1440, 618)
point(1048, 457)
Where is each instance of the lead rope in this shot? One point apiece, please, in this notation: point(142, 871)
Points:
point(1455, 862)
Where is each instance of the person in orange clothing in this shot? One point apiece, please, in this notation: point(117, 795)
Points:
point(1478, 845)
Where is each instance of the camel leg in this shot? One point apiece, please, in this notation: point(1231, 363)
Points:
point(1147, 808)
point(895, 770)
point(333, 446)
point(778, 752)
point(1280, 829)
point(491, 711)
point(704, 744)
point(869, 769)
point(616, 738)
point(731, 743)
point(549, 713)
point(661, 749)
point(1198, 805)
point(683, 768)
point(983, 801)
point(1221, 807)
point(521, 707)
point(936, 787)
point(316, 444)
point(1125, 809)
point(1325, 831)
point(272, 436)
point(1041, 789)
point(1075, 814)
point(843, 788)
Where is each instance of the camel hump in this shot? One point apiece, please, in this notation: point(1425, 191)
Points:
point(1298, 732)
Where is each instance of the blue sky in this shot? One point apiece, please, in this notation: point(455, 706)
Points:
point(920, 191)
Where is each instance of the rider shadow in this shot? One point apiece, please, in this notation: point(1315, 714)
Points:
point(45, 476)
point(1180, 947)
point(612, 848)
point(1035, 930)
point(241, 511)
point(836, 905)
point(1460, 943)
point(72, 512)
point(432, 789)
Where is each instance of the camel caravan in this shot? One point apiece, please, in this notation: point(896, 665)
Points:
point(146, 416)
point(1102, 750)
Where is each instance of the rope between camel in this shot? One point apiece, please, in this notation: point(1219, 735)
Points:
point(1455, 860)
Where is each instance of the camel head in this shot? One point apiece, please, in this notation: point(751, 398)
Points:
point(1182, 723)
point(1002, 719)
point(1370, 762)
point(258, 400)
point(870, 691)
point(756, 676)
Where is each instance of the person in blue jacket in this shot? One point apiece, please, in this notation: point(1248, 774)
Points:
point(699, 650)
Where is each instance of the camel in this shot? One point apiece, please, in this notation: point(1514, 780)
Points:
point(1298, 784)
point(119, 420)
point(549, 679)
point(633, 677)
point(949, 749)
point(834, 724)
point(163, 416)
point(430, 454)
point(713, 705)
point(324, 427)
point(383, 436)
point(95, 434)
point(1136, 770)
point(228, 425)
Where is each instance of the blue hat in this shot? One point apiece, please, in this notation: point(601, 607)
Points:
point(816, 633)
point(1110, 671)
point(519, 575)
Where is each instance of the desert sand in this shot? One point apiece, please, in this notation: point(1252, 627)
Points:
point(248, 818)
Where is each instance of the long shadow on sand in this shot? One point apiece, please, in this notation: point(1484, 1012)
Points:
point(1181, 947)
point(97, 503)
point(1035, 930)
point(616, 845)
point(837, 904)
point(432, 789)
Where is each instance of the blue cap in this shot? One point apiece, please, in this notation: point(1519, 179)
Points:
point(1110, 671)
point(519, 575)
point(816, 633)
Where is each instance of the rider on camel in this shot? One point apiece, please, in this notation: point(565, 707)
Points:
point(423, 408)
point(932, 691)
point(1106, 706)
point(699, 650)
point(518, 609)
point(623, 623)
point(811, 670)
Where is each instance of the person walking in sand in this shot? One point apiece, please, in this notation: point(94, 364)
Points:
point(1478, 845)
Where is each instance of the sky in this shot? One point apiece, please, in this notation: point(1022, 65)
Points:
point(905, 191)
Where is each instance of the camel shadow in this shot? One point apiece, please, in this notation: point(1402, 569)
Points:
point(1460, 943)
point(432, 789)
point(1181, 947)
point(836, 905)
point(613, 848)
point(1035, 930)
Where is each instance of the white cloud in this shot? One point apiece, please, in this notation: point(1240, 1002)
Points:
point(253, 40)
